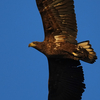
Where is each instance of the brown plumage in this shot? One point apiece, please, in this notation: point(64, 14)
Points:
point(62, 50)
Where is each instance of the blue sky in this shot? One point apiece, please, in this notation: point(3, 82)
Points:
point(23, 70)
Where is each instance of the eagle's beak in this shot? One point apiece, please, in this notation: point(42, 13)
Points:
point(32, 45)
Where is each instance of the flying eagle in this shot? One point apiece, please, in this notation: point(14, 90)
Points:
point(66, 78)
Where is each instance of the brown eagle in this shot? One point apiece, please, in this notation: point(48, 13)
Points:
point(62, 50)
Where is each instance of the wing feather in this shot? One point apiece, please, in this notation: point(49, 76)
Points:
point(58, 18)
point(65, 79)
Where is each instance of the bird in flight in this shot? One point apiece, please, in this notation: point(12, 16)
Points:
point(66, 78)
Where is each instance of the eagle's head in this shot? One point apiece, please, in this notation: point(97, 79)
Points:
point(33, 44)
point(40, 46)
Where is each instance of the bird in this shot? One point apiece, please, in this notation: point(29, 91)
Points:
point(66, 76)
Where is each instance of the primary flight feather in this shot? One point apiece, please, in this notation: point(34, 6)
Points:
point(62, 50)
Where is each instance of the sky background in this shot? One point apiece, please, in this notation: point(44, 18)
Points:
point(23, 70)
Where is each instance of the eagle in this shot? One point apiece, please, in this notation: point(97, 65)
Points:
point(66, 78)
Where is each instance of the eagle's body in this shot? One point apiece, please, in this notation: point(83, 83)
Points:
point(51, 49)
point(62, 50)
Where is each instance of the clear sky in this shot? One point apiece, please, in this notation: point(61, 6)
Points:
point(23, 70)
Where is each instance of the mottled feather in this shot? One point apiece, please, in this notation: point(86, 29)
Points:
point(58, 18)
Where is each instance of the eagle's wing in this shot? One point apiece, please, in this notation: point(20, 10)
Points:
point(59, 19)
point(65, 79)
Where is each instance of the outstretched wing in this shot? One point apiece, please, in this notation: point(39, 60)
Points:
point(65, 79)
point(59, 19)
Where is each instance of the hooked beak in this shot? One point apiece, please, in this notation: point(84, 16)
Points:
point(32, 45)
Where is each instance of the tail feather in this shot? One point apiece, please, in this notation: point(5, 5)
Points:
point(91, 54)
point(85, 52)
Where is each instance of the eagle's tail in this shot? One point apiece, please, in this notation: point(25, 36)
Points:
point(85, 52)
